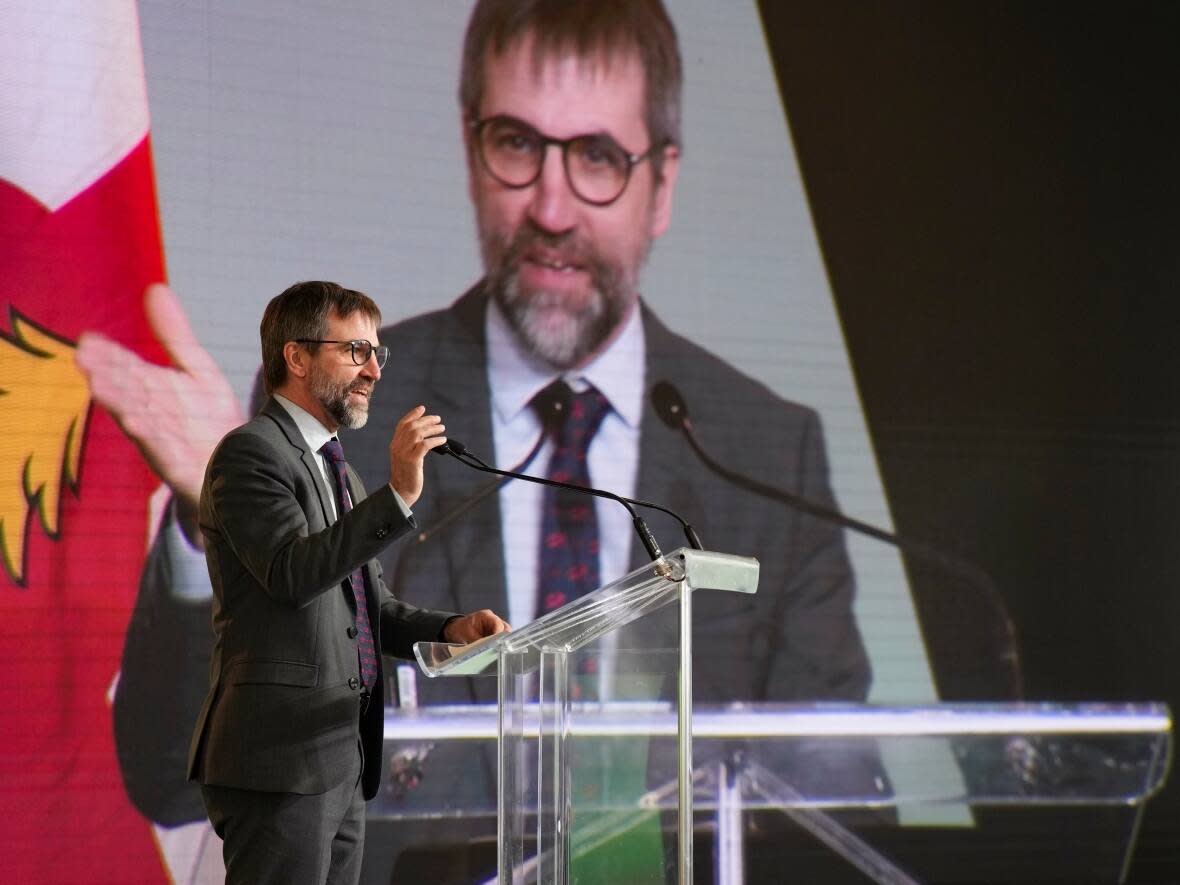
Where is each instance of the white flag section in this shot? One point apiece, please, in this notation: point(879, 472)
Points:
point(73, 101)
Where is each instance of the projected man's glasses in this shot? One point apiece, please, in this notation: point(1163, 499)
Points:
point(596, 167)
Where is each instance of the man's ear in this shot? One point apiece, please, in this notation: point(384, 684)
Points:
point(297, 359)
point(661, 213)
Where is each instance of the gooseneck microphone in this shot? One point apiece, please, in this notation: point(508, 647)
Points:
point(551, 405)
point(671, 408)
point(457, 450)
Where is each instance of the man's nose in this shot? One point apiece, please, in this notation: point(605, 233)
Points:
point(370, 368)
point(553, 207)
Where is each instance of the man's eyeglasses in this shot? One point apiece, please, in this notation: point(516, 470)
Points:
point(361, 349)
point(596, 166)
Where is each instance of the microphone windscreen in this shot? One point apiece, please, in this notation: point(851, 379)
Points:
point(669, 404)
point(450, 447)
point(552, 403)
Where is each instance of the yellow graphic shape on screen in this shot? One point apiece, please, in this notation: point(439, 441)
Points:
point(44, 400)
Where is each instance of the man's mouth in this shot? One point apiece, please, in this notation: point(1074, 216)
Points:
point(558, 268)
point(557, 264)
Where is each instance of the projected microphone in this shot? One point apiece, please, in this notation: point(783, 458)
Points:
point(671, 408)
point(550, 404)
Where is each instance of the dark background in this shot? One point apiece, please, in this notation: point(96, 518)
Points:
point(995, 191)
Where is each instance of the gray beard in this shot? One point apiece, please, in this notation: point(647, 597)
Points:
point(334, 399)
point(541, 320)
point(561, 337)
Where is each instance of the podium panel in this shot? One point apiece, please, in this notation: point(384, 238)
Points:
point(555, 666)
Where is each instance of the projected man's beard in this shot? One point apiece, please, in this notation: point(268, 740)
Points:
point(333, 396)
point(550, 324)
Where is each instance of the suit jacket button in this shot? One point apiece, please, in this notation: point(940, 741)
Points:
point(381, 533)
point(351, 632)
point(354, 683)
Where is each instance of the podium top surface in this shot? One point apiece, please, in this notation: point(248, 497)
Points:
point(588, 618)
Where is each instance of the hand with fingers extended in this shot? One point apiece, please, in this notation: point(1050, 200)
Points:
point(175, 414)
point(415, 435)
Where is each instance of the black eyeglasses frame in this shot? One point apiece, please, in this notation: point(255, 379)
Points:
point(378, 350)
point(632, 160)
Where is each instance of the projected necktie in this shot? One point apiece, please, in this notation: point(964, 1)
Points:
point(366, 650)
point(568, 561)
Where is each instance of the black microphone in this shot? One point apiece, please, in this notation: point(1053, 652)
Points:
point(457, 450)
point(550, 404)
point(673, 411)
point(671, 408)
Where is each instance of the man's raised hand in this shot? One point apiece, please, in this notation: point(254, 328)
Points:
point(415, 435)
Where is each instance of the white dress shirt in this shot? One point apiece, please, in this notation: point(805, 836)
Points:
point(514, 378)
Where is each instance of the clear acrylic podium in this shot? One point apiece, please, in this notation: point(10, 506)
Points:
point(555, 677)
point(605, 769)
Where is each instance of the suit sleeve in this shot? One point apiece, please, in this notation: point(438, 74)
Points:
point(255, 505)
point(403, 624)
point(164, 677)
point(162, 683)
point(815, 650)
point(254, 516)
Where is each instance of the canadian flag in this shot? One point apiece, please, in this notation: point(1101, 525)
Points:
point(79, 241)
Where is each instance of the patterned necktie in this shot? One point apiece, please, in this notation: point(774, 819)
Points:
point(366, 650)
point(568, 561)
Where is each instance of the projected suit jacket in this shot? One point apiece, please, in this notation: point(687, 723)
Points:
point(795, 639)
point(282, 711)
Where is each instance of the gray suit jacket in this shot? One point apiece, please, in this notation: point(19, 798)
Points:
point(282, 709)
point(796, 639)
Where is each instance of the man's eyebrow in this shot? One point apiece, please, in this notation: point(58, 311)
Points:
point(589, 133)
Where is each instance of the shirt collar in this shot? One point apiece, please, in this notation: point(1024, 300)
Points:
point(516, 376)
point(313, 432)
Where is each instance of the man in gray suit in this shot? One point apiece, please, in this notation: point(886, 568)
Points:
point(288, 742)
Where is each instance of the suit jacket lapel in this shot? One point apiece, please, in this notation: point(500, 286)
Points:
point(279, 415)
point(328, 505)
